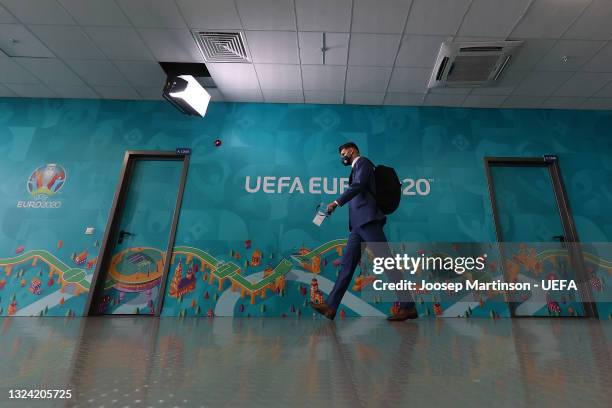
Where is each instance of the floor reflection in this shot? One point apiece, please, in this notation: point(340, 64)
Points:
point(127, 361)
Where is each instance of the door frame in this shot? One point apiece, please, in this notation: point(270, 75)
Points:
point(570, 233)
point(114, 221)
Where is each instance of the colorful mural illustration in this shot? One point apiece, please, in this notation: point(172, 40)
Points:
point(244, 253)
point(63, 282)
point(196, 284)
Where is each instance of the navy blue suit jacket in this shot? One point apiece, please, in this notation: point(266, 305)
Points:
point(360, 195)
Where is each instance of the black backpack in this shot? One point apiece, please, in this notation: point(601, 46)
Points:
point(388, 189)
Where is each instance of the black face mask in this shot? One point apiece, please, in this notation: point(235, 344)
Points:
point(345, 160)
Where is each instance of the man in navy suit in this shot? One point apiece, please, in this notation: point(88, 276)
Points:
point(366, 223)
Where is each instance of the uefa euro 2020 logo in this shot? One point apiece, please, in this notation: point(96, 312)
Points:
point(45, 182)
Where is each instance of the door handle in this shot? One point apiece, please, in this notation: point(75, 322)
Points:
point(559, 238)
point(123, 234)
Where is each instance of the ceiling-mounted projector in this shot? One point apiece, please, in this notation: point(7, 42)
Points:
point(187, 95)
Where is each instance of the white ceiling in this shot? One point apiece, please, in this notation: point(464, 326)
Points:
point(380, 51)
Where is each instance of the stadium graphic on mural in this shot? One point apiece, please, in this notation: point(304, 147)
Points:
point(242, 283)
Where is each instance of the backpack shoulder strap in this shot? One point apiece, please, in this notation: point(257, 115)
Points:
point(369, 161)
point(374, 166)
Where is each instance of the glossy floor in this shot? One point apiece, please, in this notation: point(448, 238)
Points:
point(361, 362)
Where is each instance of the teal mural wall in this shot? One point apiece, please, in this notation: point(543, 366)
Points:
point(243, 200)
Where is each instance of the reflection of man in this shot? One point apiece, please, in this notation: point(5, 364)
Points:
point(366, 223)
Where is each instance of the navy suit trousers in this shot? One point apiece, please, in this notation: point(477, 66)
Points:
point(369, 232)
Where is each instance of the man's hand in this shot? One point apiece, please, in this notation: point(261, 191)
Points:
point(331, 207)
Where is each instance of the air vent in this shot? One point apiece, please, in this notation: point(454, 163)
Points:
point(442, 68)
point(222, 46)
point(471, 64)
point(480, 49)
point(471, 69)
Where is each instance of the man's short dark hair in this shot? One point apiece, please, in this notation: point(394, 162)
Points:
point(347, 145)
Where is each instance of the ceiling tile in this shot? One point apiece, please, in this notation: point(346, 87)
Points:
point(436, 17)
point(369, 79)
point(16, 41)
point(95, 12)
point(375, 16)
point(283, 96)
point(530, 53)
point(50, 71)
point(404, 99)
point(419, 51)
point(279, 77)
point(594, 23)
point(32, 90)
point(506, 84)
point(450, 90)
point(492, 18)
point(602, 62)
point(323, 77)
point(549, 18)
point(605, 92)
point(498, 90)
point(7, 93)
point(569, 55)
point(242, 95)
point(267, 14)
point(324, 97)
point(364, 98)
point(142, 73)
point(153, 13)
point(323, 15)
point(524, 102)
point(411, 80)
point(151, 93)
point(233, 76)
point(98, 72)
point(172, 45)
point(38, 12)
point(484, 101)
point(10, 72)
point(120, 43)
point(67, 42)
point(310, 44)
point(273, 46)
point(373, 49)
point(117, 92)
point(584, 84)
point(72, 91)
point(461, 38)
point(210, 14)
point(541, 83)
point(562, 102)
point(443, 100)
point(6, 17)
point(598, 103)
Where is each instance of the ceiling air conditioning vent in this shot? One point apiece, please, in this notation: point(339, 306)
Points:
point(471, 64)
point(222, 47)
